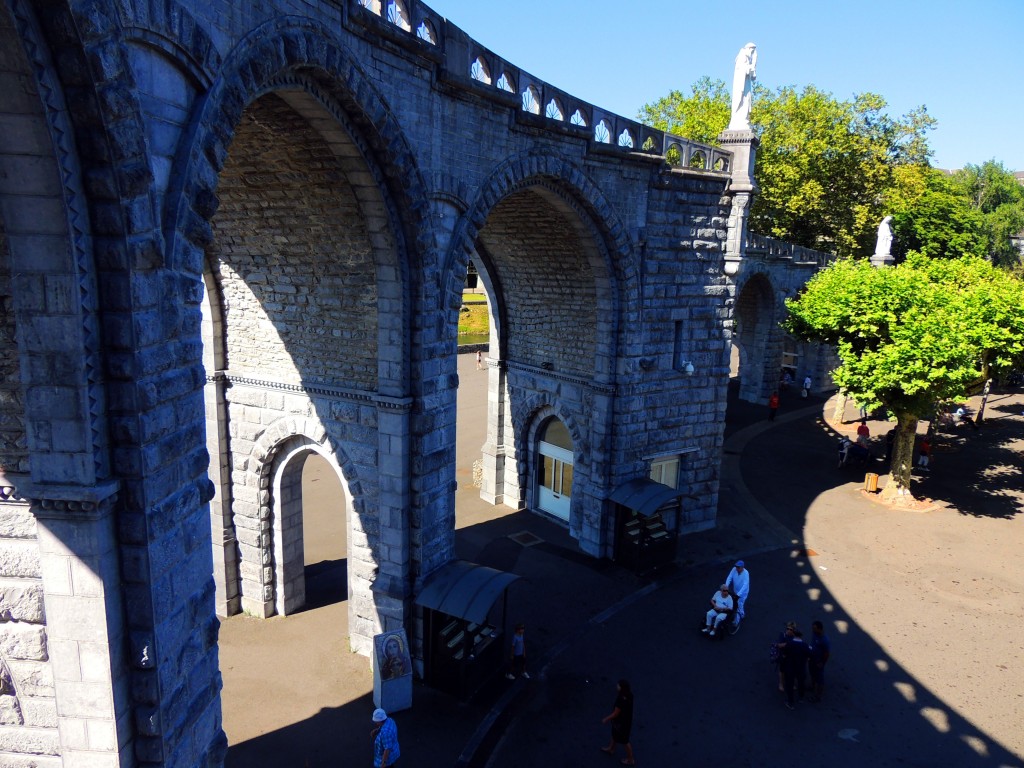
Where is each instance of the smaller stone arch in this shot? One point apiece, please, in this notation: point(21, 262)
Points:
point(277, 539)
point(754, 317)
point(530, 415)
point(626, 139)
point(373, 6)
point(698, 160)
point(603, 132)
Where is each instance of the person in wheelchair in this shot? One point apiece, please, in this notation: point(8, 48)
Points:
point(721, 607)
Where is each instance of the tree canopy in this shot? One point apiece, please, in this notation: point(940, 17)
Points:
point(824, 165)
point(913, 335)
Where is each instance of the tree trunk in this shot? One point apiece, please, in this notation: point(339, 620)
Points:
point(898, 480)
point(840, 411)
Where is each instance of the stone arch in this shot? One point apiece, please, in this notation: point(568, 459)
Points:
point(278, 536)
point(529, 416)
point(298, 54)
point(173, 31)
point(562, 178)
point(754, 320)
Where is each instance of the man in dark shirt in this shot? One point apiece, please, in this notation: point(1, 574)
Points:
point(820, 649)
point(794, 666)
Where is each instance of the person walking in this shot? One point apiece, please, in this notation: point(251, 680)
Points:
point(518, 656)
point(479, 360)
point(924, 454)
point(773, 406)
point(820, 649)
point(385, 740)
point(738, 582)
point(621, 718)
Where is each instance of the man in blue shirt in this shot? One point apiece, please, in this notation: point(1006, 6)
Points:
point(385, 740)
point(820, 649)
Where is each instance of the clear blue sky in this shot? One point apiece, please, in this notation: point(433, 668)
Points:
point(963, 60)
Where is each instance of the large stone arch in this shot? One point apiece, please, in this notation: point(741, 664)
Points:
point(294, 70)
point(756, 337)
point(578, 373)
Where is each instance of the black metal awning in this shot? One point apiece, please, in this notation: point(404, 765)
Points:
point(644, 496)
point(464, 590)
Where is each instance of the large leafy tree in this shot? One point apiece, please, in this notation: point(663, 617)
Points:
point(824, 164)
point(913, 335)
point(973, 211)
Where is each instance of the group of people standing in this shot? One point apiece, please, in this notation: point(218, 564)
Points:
point(795, 657)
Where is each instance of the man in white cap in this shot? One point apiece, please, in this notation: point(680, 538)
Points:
point(738, 582)
point(721, 604)
point(385, 740)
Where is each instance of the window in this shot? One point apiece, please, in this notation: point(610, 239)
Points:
point(666, 471)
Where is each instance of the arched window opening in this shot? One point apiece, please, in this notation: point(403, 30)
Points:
point(578, 119)
point(425, 31)
point(531, 101)
point(479, 71)
point(626, 139)
point(506, 83)
point(398, 15)
point(554, 110)
point(603, 133)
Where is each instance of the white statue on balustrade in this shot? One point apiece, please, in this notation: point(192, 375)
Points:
point(743, 78)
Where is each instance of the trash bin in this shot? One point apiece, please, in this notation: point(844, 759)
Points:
point(871, 482)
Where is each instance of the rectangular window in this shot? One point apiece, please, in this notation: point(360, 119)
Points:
point(666, 471)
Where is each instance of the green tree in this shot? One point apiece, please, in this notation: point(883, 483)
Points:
point(823, 166)
point(913, 335)
point(933, 215)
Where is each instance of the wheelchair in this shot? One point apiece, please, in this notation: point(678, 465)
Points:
point(730, 625)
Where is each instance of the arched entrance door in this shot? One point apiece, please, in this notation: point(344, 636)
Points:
point(554, 491)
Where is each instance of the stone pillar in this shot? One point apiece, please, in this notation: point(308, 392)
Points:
point(742, 188)
point(500, 483)
point(222, 527)
point(80, 565)
point(392, 586)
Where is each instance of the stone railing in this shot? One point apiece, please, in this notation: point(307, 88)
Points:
point(466, 65)
point(769, 248)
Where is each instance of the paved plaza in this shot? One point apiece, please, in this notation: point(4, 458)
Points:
point(923, 609)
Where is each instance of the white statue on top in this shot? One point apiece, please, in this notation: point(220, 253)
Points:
point(883, 246)
point(743, 78)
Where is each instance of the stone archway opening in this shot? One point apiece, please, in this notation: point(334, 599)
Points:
point(751, 357)
point(554, 338)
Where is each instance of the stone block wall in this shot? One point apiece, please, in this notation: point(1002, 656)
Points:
point(28, 706)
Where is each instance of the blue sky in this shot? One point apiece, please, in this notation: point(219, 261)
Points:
point(963, 60)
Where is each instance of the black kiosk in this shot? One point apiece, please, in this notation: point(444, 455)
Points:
point(463, 638)
point(646, 524)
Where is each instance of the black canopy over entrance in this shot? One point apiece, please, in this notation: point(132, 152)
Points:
point(647, 515)
point(463, 639)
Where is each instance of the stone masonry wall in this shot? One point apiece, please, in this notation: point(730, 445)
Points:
point(549, 285)
point(662, 410)
point(13, 445)
point(292, 257)
point(28, 709)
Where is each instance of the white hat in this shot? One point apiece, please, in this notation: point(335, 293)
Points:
point(379, 715)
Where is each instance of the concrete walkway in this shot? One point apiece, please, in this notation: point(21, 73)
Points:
point(923, 610)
